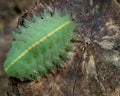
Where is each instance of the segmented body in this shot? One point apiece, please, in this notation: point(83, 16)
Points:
point(37, 47)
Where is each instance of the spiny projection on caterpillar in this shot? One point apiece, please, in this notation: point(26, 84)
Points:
point(39, 46)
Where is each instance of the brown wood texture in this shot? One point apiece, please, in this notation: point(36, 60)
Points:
point(94, 66)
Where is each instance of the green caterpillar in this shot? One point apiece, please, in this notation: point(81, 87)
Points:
point(39, 46)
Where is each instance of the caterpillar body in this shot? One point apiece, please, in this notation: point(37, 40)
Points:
point(38, 46)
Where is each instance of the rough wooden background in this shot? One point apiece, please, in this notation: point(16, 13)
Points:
point(94, 67)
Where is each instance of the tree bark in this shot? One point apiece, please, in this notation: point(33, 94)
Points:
point(94, 66)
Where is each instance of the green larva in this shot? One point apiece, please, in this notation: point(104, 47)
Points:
point(39, 45)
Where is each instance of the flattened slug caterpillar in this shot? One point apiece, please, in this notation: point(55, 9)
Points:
point(39, 46)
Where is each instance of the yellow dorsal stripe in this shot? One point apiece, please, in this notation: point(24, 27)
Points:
point(35, 44)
